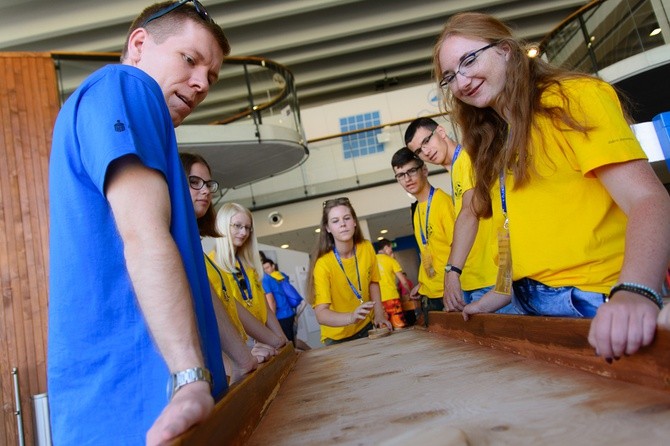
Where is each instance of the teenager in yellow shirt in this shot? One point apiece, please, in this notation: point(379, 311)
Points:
point(581, 213)
point(433, 227)
point(471, 266)
point(390, 271)
point(345, 277)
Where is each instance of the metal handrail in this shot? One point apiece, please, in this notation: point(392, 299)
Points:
point(565, 22)
point(571, 44)
point(251, 110)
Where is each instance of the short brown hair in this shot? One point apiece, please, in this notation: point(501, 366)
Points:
point(167, 25)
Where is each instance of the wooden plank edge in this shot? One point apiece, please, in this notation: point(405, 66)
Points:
point(238, 413)
point(561, 341)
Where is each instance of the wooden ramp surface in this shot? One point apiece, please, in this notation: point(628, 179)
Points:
point(413, 383)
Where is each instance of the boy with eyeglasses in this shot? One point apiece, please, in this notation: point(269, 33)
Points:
point(471, 270)
point(130, 309)
point(433, 221)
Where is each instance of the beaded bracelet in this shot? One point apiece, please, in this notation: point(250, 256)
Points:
point(636, 288)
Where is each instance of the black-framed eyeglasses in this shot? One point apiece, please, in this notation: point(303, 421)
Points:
point(198, 183)
point(465, 67)
point(425, 141)
point(341, 201)
point(238, 228)
point(202, 12)
point(409, 173)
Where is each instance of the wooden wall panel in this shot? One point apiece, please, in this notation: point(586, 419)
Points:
point(28, 107)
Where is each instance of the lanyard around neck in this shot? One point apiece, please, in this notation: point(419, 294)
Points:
point(503, 198)
point(246, 289)
point(424, 237)
point(357, 292)
point(503, 195)
point(453, 161)
point(223, 284)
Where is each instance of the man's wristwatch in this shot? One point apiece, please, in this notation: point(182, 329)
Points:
point(449, 268)
point(180, 379)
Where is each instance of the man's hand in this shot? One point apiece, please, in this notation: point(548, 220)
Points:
point(191, 405)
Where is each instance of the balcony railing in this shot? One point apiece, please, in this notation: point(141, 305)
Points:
point(254, 128)
point(605, 32)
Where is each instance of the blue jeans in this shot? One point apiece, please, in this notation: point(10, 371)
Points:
point(536, 298)
point(475, 295)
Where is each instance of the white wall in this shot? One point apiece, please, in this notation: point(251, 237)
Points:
point(396, 105)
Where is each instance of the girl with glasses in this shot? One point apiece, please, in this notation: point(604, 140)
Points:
point(581, 216)
point(345, 277)
point(235, 321)
point(237, 254)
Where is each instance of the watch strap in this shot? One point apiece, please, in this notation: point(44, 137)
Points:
point(449, 268)
point(188, 376)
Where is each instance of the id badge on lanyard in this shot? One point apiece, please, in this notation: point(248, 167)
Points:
point(504, 278)
point(426, 256)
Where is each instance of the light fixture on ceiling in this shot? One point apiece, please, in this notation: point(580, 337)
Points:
point(284, 246)
point(533, 51)
point(317, 230)
point(380, 238)
point(383, 231)
point(655, 32)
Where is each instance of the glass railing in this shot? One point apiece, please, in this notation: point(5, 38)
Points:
point(254, 89)
point(329, 170)
point(605, 32)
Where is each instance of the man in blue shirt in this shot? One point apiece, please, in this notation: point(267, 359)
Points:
point(277, 299)
point(130, 309)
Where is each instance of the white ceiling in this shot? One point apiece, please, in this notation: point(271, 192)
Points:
point(336, 49)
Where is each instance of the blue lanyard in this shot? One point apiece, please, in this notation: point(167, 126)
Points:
point(424, 238)
point(503, 199)
point(246, 292)
point(453, 161)
point(358, 274)
point(456, 153)
point(223, 284)
point(503, 195)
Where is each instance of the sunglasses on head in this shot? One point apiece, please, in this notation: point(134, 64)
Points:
point(336, 202)
point(202, 12)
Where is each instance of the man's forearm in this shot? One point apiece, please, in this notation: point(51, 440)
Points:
point(164, 296)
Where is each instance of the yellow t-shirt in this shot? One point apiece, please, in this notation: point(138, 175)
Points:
point(220, 281)
point(439, 236)
point(331, 286)
point(565, 229)
point(388, 268)
point(257, 304)
point(480, 269)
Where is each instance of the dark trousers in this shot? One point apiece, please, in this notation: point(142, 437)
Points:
point(430, 304)
point(287, 327)
point(362, 333)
